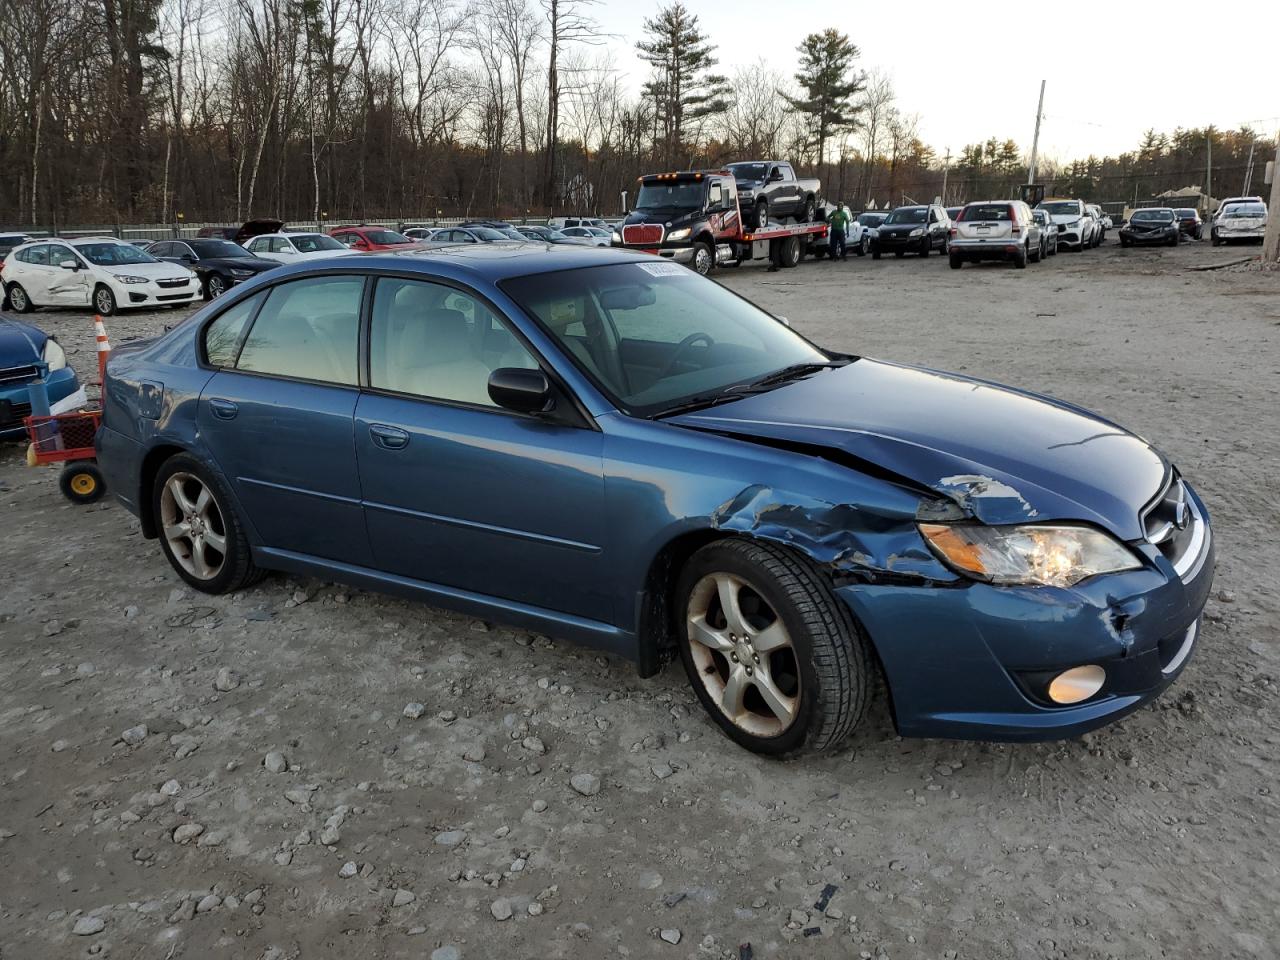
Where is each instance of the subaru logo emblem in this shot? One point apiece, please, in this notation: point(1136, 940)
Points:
point(1181, 515)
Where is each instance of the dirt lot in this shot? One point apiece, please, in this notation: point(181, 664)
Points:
point(457, 834)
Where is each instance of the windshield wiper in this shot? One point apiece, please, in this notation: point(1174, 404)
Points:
point(793, 372)
point(700, 402)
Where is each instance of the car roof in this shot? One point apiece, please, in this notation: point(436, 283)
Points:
point(491, 261)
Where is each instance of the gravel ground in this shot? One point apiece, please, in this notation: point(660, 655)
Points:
point(306, 770)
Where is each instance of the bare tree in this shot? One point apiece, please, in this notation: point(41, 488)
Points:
point(877, 101)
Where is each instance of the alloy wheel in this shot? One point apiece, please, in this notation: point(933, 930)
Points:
point(18, 298)
point(743, 654)
point(193, 526)
point(217, 287)
point(104, 301)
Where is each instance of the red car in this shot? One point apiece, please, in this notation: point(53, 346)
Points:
point(371, 238)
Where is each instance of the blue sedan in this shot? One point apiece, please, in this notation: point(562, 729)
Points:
point(22, 346)
point(609, 448)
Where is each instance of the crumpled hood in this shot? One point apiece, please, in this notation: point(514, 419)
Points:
point(20, 343)
point(1004, 455)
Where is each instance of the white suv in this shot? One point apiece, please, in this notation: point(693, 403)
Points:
point(100, 272)
point(1076, 227)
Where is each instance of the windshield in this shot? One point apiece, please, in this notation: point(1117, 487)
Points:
point(872, 219)
point(1152, 216)
point(107, 254)
point(488, 233)
point(218, 248)
point(908, 215)
point(1062, 208)
point(749, 171)
point(671, 195)
point(1246, 210)
point(654, 335)
point(314, 242)
point(385, 236)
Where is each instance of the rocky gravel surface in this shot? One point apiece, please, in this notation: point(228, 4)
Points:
point(308, 770)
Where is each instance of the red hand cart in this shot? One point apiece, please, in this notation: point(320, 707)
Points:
point(68, 438)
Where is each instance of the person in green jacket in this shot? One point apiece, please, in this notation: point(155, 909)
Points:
point(839, 221)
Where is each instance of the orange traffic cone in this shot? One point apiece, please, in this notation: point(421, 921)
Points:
point(104, 349)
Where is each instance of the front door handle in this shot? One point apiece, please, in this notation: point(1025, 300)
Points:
point(223, 409)
point(389, 438)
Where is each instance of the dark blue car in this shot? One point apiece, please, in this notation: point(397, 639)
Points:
point(609, 448)
point(22, 346)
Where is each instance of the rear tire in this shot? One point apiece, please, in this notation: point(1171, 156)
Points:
point(789, 253)
point(762, 214)
point(194, 549)
point(1020, 258)
point(956, 262)
point(875, 254)
point(811, 672)
point(1035, 257)
point(807, 214)
point(863, 246)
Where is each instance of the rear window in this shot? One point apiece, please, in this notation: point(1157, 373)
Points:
point(1245, 210)
point(986, 211)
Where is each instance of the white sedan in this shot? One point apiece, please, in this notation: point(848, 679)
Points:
point(296, 247)
point(595, 236)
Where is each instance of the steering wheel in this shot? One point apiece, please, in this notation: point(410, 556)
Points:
point(681, 347)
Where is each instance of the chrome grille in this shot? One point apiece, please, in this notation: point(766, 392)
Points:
point(1174, 526)
point(17, 374)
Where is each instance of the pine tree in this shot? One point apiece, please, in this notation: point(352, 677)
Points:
point(682, 87)
point(830, 83)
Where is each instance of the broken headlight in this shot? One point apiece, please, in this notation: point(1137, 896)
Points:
point(53, 355)
point(1047, 555)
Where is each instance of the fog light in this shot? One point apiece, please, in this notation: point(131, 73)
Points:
point(1076, 684)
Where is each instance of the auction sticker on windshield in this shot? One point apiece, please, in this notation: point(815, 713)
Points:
point(665, 270)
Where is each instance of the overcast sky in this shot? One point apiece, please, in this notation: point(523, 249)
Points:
point(1106, 86)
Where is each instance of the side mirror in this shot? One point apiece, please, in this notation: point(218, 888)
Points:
point(69, 265)
point(521, 390)
point(784, 321)
point(188, 258)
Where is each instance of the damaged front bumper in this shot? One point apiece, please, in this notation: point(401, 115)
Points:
point(973, 661)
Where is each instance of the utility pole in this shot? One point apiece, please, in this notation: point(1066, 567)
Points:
point(1271, 243)
point(1208, 173)
point(946, 168)
point(1035, 140)
point(1248, 169)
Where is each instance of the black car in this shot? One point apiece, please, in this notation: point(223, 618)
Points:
point(1189, 222)
point(921, 229)
point(1151, 225)
point(220, 264)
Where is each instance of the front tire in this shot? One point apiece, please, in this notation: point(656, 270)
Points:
point(104, 301)
point(863, 246)
point(703, 259)
point(200, 533)
point(215, 286)
point(772, 654)
point(19, 300)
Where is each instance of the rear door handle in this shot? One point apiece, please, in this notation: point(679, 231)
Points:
point(223, 409)
point(389, 438)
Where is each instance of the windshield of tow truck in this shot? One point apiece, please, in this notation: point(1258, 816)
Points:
point(671, 195)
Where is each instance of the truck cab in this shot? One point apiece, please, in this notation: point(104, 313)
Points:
point(684, 216)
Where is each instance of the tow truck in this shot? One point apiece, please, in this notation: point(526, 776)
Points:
point(692, 217)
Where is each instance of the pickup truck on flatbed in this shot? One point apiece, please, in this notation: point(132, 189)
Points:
point(770, 190)
point(692, 217)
